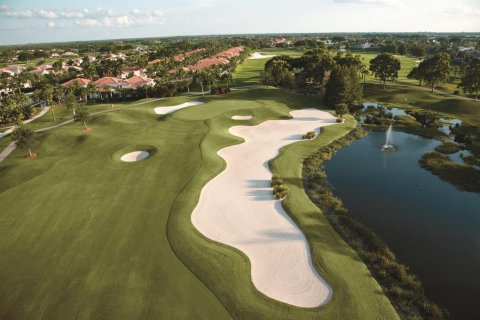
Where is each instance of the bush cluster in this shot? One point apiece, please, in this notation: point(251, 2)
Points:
point(309, 135)
point(279, 188)
point(219, 90)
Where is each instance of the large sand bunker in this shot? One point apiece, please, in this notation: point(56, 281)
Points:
point(170, 109)
point(237, 208)
point(258, 55)
point(135, 156)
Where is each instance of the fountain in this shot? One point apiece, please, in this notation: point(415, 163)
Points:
point(388, 146)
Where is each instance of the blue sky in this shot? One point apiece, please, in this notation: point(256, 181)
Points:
point(25, 21)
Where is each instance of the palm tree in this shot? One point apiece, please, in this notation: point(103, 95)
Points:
point(45, 94)
point(58, 93)
point(24, 137)
point(108, 91)
point(228, 78)
point(91, 88)
point(82, 115)
point(144, 88)
point(71, 102)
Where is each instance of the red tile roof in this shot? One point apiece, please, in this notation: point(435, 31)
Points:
point(107, 81)
point(137, 81)
point(220, 59)
point(82, 81)
point(180, 57)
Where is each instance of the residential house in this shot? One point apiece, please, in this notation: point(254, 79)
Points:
point(81, 81)
point(138, 81)
point(136, 71)
point(13, 70)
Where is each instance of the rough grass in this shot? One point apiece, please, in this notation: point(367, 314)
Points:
point(447, 148)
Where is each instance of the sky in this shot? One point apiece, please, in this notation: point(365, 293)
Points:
point(33, 21)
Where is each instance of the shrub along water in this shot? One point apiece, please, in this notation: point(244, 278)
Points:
point(464, 177)
point(403, 289)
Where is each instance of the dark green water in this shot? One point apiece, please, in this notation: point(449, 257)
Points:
point(429, 224)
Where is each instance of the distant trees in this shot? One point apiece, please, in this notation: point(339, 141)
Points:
point(343, 87)
point(24, 137)
point(385, 67)
point(417, 51)
point(470, 82)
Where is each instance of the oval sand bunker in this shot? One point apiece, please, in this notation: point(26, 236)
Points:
point(135, 156)
point(242, 117)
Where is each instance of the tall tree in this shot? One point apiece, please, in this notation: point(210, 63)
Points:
point(416, 73)
point(314, 64)
point(343, 87)
point(24, 137)
point(278, 73)
point(435, 69)
point(385, 67)
point(471, 80)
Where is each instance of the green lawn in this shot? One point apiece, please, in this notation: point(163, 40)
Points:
point(84, 236)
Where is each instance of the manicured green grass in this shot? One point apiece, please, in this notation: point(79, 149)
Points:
point(85, 236)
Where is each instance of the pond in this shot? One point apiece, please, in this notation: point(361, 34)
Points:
point(429, 224)
point(446, 128)
point(394, 111)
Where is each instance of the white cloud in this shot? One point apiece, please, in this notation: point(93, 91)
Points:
point(47, 14)
point(4, 7)
point(98, 18)
point(88, 22)
point(460, 10)
point(19, 14)
point(376, 2)
point(120, 21)
point(74, 14)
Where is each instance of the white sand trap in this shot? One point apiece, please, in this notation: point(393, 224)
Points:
point(258, 55)
point(242, 117)
point(237, 208)
point(135, 156)
point(170, 109)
